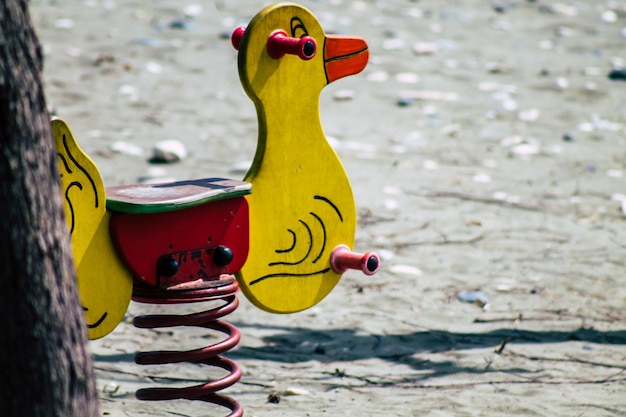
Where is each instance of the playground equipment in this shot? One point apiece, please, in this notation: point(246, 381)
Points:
point(282, 236)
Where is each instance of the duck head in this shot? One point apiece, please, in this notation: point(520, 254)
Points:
point(284, 52)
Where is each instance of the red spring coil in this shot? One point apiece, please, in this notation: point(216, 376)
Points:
point(222, 289)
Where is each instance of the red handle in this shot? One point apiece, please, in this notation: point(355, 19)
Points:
point(279, 44)
point(342, 259)
point(235, 38)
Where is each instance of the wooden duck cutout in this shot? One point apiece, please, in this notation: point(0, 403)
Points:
point(104, 283)
point(302, 207)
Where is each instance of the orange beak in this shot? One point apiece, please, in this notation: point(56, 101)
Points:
point(344, 56)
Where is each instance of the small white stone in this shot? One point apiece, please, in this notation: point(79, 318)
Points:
point(391, 190)
point(168, 151)
point(157, 172)
point(614, 173)
point(482, 178)
point(192, 10)
point(413, 138)
point(529, 115)
point(609, 16)
point(390, 204)
point(429, 110)
point(154, 67)
point(500, 195)
point(425, 48)
point(394, 44)
point(378, 77)
point(430, 165)
point(565, 9)
point(405, 270)
point(488, 86)
point(511, 140)
point(546, 44)
point(562, 82)
point(111, 388)
point(603, 124)
point(407, 77)
point(397, 149)
point(359, 6)
point(525, 149)
point(126, 148)
point(451, 130)
point(130, 91)
point(64, 24)
point(342, 95)
point(295, 391)
point(509, 105)
point(413, 12)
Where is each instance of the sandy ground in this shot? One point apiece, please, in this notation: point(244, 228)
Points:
point(486, 146)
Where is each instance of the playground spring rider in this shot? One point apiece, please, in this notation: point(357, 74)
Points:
point(285, 231)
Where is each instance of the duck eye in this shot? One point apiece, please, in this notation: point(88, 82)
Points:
point(309, 48)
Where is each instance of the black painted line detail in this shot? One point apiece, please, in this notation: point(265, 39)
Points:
point(317, 258)
point(342, 57)
point(80, 167)
point(97, 323)
point(299, 25)
point(308, 229)
point(287, 275)
point(330, 203)
point(69, 203)
point(67, 167)
point(293, 244)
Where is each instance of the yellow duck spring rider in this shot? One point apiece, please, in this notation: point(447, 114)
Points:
point(284, 235)
point(302, 211)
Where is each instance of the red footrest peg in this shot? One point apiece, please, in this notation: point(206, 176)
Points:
point(342, 259)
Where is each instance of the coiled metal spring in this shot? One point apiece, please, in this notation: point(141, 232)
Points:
point(224, 289)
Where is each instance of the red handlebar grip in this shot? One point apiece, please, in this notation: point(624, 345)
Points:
point(235, 38)
point(279, 44)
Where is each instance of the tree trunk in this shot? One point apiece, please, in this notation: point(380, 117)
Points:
point(46, 370)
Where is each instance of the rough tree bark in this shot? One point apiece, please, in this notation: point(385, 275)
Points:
point(45, 367)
